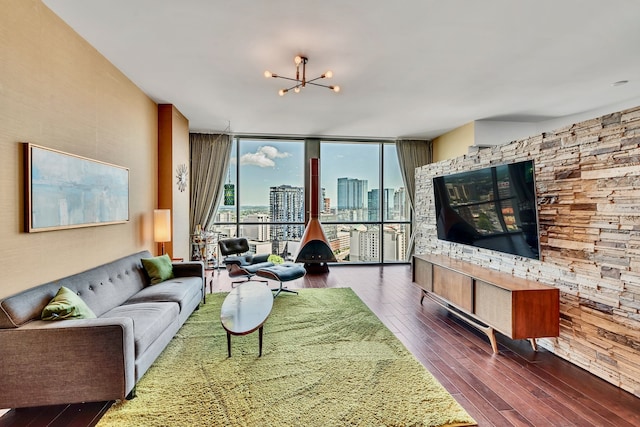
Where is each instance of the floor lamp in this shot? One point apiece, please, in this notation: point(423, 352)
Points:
point(162, 226)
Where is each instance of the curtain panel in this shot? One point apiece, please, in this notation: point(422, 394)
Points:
point(411, 155)
point(210, 154)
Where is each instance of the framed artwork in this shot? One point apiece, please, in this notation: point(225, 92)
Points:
point(68, 191)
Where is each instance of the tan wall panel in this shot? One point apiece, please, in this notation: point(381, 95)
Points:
point(454, 143)
point(58, 91)
point(173, 150)
point(180, 148)
point(165, 195)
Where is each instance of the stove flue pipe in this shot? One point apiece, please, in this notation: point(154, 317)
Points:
point(315, 250)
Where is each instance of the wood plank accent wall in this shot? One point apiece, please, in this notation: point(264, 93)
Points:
point(588, 189)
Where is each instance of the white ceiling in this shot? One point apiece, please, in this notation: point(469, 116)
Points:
point(407, 68)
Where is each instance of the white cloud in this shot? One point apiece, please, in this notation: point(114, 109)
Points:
point(263, 157)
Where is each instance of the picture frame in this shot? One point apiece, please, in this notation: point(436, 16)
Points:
point(64, 190)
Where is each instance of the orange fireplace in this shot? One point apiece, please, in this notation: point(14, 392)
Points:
point(315, 251)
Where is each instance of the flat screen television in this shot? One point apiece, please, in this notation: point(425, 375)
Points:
point(492, 208)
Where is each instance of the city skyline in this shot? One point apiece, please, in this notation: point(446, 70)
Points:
point(265, 164)
point(281, 228)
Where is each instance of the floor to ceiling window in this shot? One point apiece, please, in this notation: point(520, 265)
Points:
point(363, 207)
point(365, 211)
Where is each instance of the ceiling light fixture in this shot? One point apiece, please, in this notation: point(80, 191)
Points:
point(300, 83)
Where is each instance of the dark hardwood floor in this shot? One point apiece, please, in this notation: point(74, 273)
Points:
point(518, 387)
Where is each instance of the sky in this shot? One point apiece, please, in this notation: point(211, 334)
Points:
point(267, 163)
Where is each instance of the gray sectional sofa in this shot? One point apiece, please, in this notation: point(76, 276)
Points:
point(84, 360)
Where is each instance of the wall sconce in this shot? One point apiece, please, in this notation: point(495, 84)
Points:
point(162, 226)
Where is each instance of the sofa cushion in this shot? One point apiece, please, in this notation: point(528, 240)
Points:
point(101, 288)
point(66, 305)
point(158, 268)
point(150, 320)
point(180, 290)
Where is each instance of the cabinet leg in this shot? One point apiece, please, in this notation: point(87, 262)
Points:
point(534, 344)
point(424, 293)
point(491, 333)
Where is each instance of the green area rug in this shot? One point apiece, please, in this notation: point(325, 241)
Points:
point(327, 361)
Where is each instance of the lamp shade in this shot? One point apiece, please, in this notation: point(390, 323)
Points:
point(162, 225)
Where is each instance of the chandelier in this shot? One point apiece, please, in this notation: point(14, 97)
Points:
point(300, 83)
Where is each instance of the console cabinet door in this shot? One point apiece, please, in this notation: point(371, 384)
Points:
point(494, 306)
point(422, 274)
point(454, 287)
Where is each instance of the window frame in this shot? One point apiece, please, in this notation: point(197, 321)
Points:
point(312, 148)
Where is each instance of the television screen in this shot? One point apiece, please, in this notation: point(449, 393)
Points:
point(492, 208)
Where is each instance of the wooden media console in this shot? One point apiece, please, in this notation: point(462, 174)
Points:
point(489, 300)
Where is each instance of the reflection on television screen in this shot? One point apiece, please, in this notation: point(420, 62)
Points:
point(493, 208)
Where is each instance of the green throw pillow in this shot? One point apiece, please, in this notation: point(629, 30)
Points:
point(158, 268)
point(66, 305)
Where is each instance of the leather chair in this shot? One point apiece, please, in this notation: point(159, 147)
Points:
point(282, 273)
point(237, 260)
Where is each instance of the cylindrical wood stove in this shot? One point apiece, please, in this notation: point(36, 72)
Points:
point(315, 251)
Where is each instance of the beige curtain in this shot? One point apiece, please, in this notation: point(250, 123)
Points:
point(210, 155)
point(412, 154)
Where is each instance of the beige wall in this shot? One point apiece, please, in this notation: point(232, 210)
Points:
point(588, 188)
point(453, 143)
point(59, 92)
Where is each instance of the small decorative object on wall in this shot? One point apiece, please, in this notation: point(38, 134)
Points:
point(68, 191)
point(181, 175)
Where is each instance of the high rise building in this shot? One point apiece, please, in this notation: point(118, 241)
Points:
point(373, 205)
point(259, 248)
point(352, 199)
point(286, 205)
point(326, 205)
point(259, 230)
point(365, 244)
point(400, 204)
point(325, 202)
point(226, 215)
point(352, 193)
point(395, 243)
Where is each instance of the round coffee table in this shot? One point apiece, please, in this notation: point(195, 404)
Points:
point(246, 309)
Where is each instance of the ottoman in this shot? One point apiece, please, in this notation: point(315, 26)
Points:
point(282, 273)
